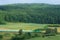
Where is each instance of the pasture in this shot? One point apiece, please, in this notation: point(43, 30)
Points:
point(24, 26)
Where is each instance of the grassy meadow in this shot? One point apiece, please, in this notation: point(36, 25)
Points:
point(24, 26)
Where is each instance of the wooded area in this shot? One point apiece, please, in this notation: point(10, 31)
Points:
point(30, 13)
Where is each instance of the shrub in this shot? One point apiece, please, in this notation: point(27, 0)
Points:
point(50, 32)
point(28, 35)
point(18, 37)
point(2, 22)
point(1, 36)
point(20, 32)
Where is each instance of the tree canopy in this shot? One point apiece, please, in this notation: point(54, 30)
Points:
point(30, 13)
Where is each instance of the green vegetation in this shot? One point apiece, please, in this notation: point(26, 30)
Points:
point(47, 38)
point(25, 26)
point(36, 34)
point(30, 13)
point(34, 17)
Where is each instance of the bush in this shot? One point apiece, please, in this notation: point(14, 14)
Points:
point(20, 32)
point(28, 35)
point(50, 32)
point(37, 30)
point(1, 36)
point(18, 37)
point(2, 22)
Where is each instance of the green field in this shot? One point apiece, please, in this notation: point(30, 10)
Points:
point(25, 26)
point(47, 38)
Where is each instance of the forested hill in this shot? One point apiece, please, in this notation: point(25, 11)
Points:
point(30, 13)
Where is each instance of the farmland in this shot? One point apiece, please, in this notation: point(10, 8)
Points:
point(25, 26)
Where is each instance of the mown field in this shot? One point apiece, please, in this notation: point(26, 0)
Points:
point(24, 26)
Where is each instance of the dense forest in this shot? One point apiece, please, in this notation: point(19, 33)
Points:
point(30, 13)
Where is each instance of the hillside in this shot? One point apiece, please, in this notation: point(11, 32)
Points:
point(30, 13)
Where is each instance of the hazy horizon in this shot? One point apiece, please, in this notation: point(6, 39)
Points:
point(4, 2)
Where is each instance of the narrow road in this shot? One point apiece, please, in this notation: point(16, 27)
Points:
point(9, 30)
point(15, 30)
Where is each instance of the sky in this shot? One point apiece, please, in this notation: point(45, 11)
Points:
point(3, 2)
